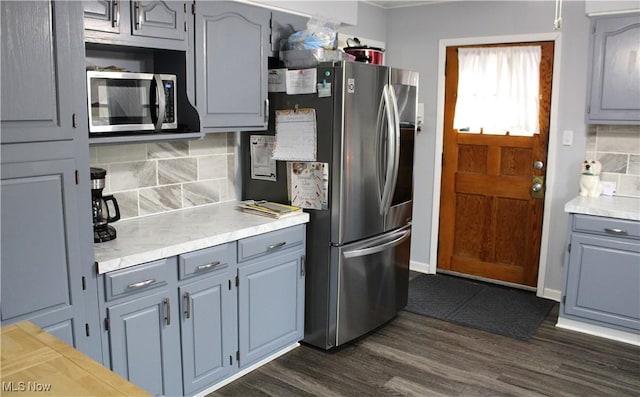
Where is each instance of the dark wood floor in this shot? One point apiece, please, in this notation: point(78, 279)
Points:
point(415, 355)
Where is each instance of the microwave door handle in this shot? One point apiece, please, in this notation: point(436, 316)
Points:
point(161, 101)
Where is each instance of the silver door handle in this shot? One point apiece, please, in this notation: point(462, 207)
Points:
point(141, 283)
point(619, 232)
point(161, 101)
point(207, 266)
point(390, 152)
point(115, 14)
point(167, 313)
point(536, 187)
point(187, 305)
point(138, 16)
point(378, 248)
point(277, 245)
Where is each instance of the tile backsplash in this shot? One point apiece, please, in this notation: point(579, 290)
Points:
point(617, 147)
point(150, 178)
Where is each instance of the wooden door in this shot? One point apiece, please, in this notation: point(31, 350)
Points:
point(490, 223)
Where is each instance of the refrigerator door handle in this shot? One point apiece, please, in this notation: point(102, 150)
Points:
point(391, 157)
point(394, 135)
point(374, 249)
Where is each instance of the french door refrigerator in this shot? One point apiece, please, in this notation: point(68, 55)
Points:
point(357, 261)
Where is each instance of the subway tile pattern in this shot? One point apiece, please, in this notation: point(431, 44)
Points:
point(152, 178)
point(617, 147)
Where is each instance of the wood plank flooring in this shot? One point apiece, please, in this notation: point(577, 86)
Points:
point(416, 355)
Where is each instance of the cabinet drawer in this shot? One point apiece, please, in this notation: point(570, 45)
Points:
point(138, 278)
point(606, 226)
point(206, 260)
point(253, 247)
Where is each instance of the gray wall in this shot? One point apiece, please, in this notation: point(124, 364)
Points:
point(412, 38)
point(371, 23)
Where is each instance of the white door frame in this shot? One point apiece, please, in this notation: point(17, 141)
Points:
point(551, 151)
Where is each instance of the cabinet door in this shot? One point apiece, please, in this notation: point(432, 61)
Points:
point(144, 338)
point(603, 280)
point(209, 331)
point(159, 19)
point(39, 84)
point(41, 254)
point(231, 65)
point(103, 15)
point(270, 305)
point(615, 74)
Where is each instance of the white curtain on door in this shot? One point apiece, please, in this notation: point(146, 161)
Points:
point(498, 90)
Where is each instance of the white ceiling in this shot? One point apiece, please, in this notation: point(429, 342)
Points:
point(399, 3)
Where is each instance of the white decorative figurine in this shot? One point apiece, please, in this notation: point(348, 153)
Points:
point(590, 179)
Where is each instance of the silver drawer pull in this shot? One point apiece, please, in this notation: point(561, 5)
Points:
point(278, 245)
point(207, 266)
point(141, 283)
point(619, 232)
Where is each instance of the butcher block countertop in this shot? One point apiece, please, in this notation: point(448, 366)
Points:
point(37, 363)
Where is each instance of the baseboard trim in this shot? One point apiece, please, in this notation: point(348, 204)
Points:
point(420, 267)
point(552, 294)
point(597, 330)
point(245, 371)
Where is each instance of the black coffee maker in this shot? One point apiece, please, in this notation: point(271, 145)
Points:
point(102, 231)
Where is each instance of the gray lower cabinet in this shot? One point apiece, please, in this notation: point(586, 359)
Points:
point(270, 305)
point(159, 24)
point(208, 323)
point(180, 325)
point(231, 47)
point(602, 280)
point(143, 327)
point(614, 97)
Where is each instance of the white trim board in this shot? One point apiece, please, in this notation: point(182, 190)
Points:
point(597, 330)
point(551, 151)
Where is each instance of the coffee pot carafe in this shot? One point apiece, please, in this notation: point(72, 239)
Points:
point(102, 214)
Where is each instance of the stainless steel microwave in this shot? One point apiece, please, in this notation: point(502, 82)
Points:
point(129, 102)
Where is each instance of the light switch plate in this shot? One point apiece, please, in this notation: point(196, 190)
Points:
point(567, 137)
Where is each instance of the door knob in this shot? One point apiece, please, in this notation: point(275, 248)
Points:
point(537, 187)
point(538, 165)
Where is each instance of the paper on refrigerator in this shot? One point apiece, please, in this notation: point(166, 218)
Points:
point(295, 135)
point(262, 165)
point(309, 184)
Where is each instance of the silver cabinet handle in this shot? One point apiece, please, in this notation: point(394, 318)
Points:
point(167, 308)
point(619, 232)
point(141, 284)
point(266, 111)
point(138, 16)
point(115, 16)
point(207, 266)
point(278, 245)
point(187, 305)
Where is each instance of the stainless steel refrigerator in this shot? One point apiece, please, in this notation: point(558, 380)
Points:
point(357, 261)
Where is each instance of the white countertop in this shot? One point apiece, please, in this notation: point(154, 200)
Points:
point(149, 238)
point(609, 206)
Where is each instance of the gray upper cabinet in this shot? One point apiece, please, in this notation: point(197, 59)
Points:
point(615, 71)
point(231, 45)
point(36, 102)
point(153, 24)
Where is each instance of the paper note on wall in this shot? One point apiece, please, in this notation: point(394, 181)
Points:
point(276, 80)
point(309, 183)
point(262, 165)
point(295, 135)
point(301, 81)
